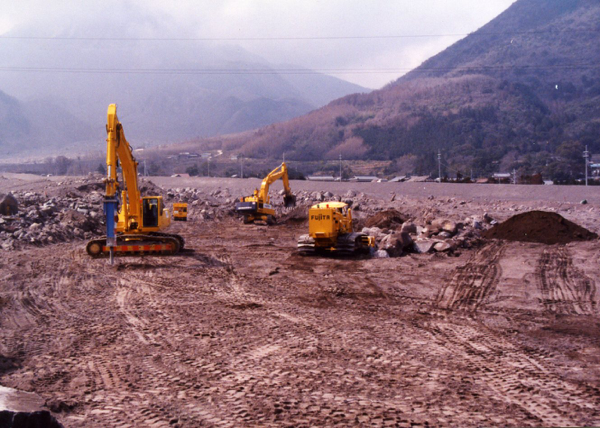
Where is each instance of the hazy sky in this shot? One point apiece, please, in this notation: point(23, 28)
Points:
point(346, 38)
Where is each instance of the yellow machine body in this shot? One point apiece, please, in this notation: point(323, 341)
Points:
point(328, 220)
point(330, 229)
point(180, 211)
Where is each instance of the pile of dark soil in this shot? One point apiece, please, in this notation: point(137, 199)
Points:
point(388, 219)
point(539, 226)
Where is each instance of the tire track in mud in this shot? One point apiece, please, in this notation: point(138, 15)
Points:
point(564, 288)
point(518, 376)
point(151, 304)
point(472, 285)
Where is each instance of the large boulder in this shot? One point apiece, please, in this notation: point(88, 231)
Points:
point(8, 205)
point(42, 418)
point(444, 225)
point(391, 244)
point(441, 247)
point(424, 246)
point(397, 243)
point(409, 228)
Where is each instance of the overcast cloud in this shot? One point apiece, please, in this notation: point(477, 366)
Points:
point(359, 60)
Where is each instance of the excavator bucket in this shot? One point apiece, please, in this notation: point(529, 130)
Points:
point(289, 200)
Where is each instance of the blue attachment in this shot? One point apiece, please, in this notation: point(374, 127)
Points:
point(110, 209)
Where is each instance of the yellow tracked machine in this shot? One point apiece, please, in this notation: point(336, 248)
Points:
point(133, 222)
point(330, 231)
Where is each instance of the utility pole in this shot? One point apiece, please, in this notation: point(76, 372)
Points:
point(586, 156)
point(145, 169)
point(242, 167)
point(514, 176)
point(208, 167)
point(340, 167)
point(440, 165)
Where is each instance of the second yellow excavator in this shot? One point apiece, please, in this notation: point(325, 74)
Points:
point(258, 206)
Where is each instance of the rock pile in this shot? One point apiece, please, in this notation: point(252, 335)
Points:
point(42, 220)
point(440, 235)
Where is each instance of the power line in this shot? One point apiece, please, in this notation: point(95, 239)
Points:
point(251, 71)
point(279, 38)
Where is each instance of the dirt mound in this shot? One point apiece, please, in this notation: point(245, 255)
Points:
point(388, 219)
point(148, 188)
point(90, 187)
point(297, 215)
point(539, 226)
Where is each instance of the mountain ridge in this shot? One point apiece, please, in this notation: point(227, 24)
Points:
point(519, 93)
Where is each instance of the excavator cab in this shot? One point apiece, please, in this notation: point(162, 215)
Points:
point(150, 209)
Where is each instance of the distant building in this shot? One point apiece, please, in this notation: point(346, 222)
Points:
point(398, 179)
point(320, 178)
point(185, 155)
point(364, 178)
point(418, 179)
point(502, 177)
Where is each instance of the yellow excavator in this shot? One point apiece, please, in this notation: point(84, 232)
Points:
point(258, 206)
point(133, 222)
point(330, 231)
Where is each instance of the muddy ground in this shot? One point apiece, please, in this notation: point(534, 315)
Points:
point(241, 331)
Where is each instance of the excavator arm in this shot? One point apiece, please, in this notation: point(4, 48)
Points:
point(280, 172)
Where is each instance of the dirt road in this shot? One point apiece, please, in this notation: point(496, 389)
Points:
point(241, 331)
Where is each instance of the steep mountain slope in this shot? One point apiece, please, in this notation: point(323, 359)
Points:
point(167, 90)
point(14, 124)
point(519, 93)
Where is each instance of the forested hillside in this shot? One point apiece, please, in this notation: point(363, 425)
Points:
point(522, 92)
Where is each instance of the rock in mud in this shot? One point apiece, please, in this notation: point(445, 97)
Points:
point(381, 254)
point(444, 225)
point(8, 205)
point(409, 228)
point(392, 245)
point(40, 419)
point(424, 246)
point(441, 247)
